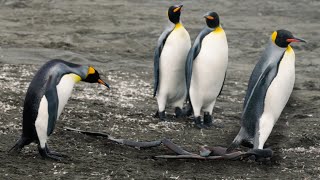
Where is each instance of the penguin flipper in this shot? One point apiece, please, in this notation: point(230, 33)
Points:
point(225, 75)
point(53, 104)
point(254, 106)
point(157, 53)
point(193, 53)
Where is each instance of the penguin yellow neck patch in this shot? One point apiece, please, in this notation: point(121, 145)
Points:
point(75, 77)
point(178, 25)
point(289, 49)
point(218, 30)
point(274, 36)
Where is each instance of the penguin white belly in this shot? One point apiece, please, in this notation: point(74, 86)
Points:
point(276, 98)
point(41, 122)
point(209, 70)
point(64, 90)
point(172, 84)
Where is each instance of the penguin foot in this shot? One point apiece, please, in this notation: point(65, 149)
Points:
point(261, 155)
point(188, 110)
point(179, 112)
point(57, 154)
point(207, 120)
point(198, 122)
point(156, 115)
point(161, 115)
point(47, 154)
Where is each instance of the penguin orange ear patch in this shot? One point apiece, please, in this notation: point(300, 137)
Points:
point(91, 70)
point(176, 9)
point(274, 36)
point(210, 17)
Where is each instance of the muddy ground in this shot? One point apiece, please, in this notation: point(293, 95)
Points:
point(118, 38)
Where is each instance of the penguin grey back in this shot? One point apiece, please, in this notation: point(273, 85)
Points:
point(262, 76)
point(193, 53)
point(44, 83)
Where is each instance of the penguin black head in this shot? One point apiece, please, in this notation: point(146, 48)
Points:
point(174, 13)
point(212, 19)
point(94, 77)
point(283, 38)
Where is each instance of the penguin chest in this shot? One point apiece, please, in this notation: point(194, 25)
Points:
point(64, 90)
point(281, 88)
point(175, 51)
point(172, 62)
point(209, 67)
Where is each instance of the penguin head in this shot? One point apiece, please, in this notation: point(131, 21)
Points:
point(174, 13)
point(212, 19)
point(94, 77)
point(283, 38)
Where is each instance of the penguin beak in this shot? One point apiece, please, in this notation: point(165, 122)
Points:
point(103, 83)
point(296, 40)
point(178, 9)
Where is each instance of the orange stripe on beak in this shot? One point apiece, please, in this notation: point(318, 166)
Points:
point(292, 40)
point(103, 83)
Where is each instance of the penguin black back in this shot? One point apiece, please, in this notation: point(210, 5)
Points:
point(49, 74)
point(46, 96)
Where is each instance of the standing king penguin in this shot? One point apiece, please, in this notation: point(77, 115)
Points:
point(206, 69)
point(269, 89)
point(169, 65)
point(46, 97)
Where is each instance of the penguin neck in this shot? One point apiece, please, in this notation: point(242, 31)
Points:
point(178, 25)
point(289, 49)
point(217, 29)
point(79, 73)
point(76, 78)
point(174, 26)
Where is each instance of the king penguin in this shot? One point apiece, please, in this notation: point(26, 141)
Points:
point(269, 89)
point(206, 69)
point(46, 97)
point(169, 65)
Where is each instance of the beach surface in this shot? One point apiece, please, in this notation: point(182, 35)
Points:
point(118, 38)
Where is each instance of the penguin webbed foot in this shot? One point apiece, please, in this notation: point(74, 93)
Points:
point(198, 123)
point(47, 154)
point(208, 121)
point(260, 155)
point(161, 115)
point(187, 110)
point(180, 113)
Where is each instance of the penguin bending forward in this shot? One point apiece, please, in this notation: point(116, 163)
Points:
point(206, 69)
point(269, 89)
point(169, 65)
point(46, 97)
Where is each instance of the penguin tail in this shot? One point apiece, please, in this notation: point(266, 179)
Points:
point(234, 145)
point(237, 141)
point(19, 145)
